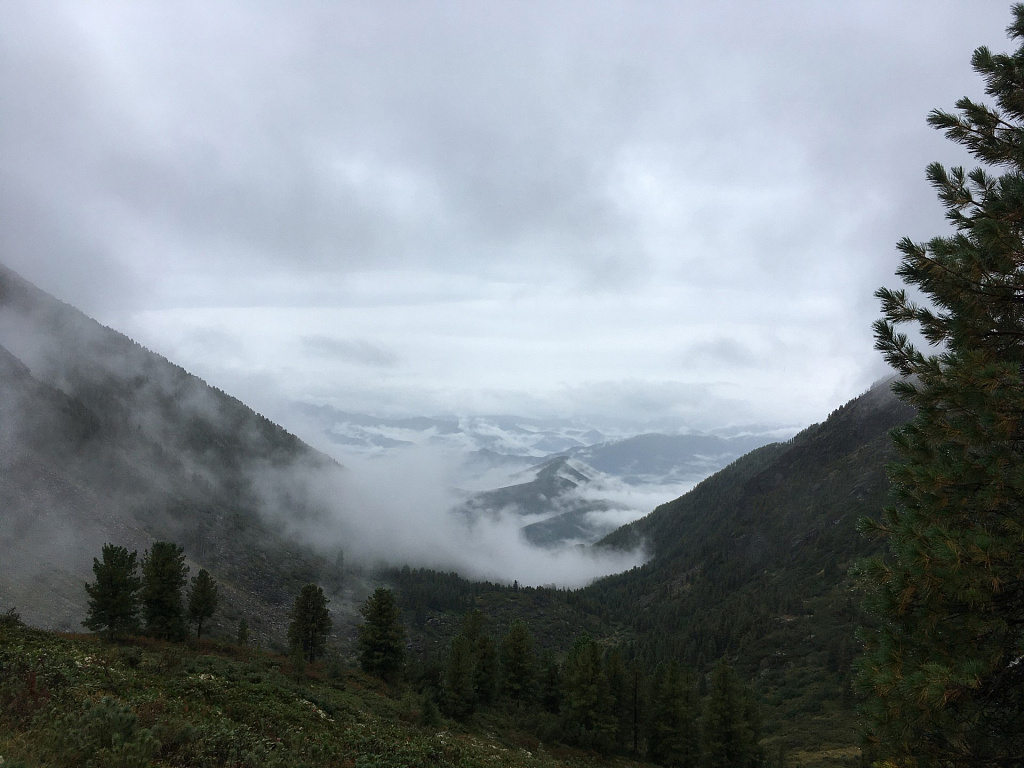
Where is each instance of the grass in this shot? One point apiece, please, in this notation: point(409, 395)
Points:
point(75, 701)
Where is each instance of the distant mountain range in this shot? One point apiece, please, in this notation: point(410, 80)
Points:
point(558, 473)
point(623, 451)
point(667, 459)
point(503, 435)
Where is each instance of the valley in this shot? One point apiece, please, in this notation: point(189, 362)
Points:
point(103, 441)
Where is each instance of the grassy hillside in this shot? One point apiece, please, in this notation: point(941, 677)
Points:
point(66, 700)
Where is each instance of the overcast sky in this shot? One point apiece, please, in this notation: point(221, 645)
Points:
point(635, 209)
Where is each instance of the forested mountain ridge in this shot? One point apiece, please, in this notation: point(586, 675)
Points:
point(772, 469)
point(752, 565)
point(103, 440)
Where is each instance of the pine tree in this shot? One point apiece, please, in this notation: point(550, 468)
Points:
point(518, 667)
point(242, 637)
point(470, 676)
point(615, 672)
point(202, 599)
point(458, 689)
point(381, 635)
point(673, 733)
point(730, 724)
point(550, 684)
point(943, 671)
point(589, 720)
point(114, 596)
point(636, 705)
point(164, 574)
point(485, 654)
point(310, 623)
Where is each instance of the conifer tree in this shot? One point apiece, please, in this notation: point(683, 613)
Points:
point(164, 574)
point(458, 688)
point(114, 595)
point(518, 667)
point(615, 672)
point(943, 671)
point(381, 635)
point(636, 705)
point(589, 720)
point(470, 676)
point(550, 684)
point(310, 623)
point(730, 724)
point(486, 679)
point(673, 733)
point(242, 636)
point(202, 599)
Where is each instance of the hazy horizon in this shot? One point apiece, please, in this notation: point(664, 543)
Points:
point(659, 213)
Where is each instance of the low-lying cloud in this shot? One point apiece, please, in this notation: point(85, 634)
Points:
point(397, 508)
point(349, 350)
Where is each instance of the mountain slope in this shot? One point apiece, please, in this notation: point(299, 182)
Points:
point(102, 440)
point(753, 565)
point(654, 457)
point(74, 701)
point(553, 494)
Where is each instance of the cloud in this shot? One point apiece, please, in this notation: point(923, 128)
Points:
point(352, 350)
point(396, 508)
point(547, 198)
point(720, 352)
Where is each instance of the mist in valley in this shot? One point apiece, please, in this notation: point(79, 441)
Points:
point(398, 509)
point(102, 441)
point(398, 212)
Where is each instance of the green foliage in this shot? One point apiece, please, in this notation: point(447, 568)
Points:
point(552, 619)
point(220, 707)
point(10, 618)
point(107, 733)
point(731, 725)
point(242, 636)
point(114, 595)
point(458, 686)
point(485, 659)
point(942, 670)
point(429, 716)
point(588, 717)
point(381, 635)
point(470, 674)
point(518, 664)
point(673, 732)
point(164, 575)
point(202, 599)
point(632, 708)
point(550, 682)
point(752, 565)
point(310, 623)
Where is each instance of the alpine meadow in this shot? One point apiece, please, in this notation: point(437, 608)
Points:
point(453, 524)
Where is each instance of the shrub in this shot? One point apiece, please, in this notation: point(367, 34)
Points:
point(106, 733)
